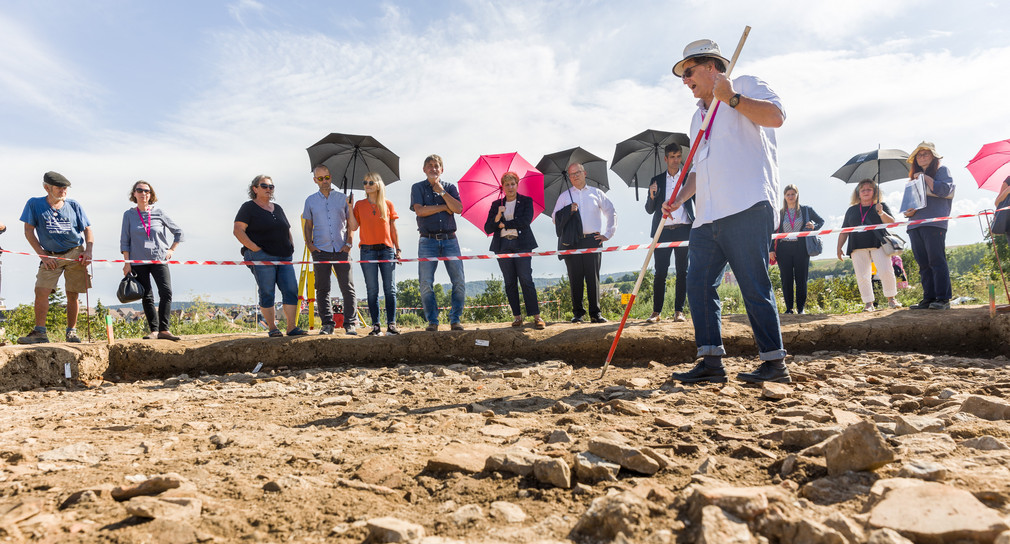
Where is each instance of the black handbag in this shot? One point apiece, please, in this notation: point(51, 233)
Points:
point(814, 244)
point(1001, 219)
point(130, 289)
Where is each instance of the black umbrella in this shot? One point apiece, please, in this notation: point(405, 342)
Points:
point(640, 158)
point(349, 157)
point(555, 170)
point(880, 165)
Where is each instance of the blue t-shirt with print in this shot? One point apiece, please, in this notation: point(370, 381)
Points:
point(58, 230)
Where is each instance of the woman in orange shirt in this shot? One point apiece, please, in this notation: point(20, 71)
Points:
point(378, 241)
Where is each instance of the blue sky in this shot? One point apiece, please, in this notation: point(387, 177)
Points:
point(199, 97)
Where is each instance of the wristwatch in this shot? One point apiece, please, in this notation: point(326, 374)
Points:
point(735, 101)
point(441, 193)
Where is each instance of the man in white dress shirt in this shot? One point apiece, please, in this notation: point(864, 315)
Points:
point(599, 221)
point(735, 179)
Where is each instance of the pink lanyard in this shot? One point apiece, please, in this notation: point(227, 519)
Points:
point(862, 214)
point(147, 226)
point(792, 220)
point(708, 131)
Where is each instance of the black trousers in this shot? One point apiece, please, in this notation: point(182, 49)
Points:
point(322, 274)
point(794, 265)
point(584, 270)
point(679, 233)
point(163, 280)
point(518, 272)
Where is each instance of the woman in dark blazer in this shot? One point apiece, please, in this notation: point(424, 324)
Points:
point(508, 221)
point(792, 255)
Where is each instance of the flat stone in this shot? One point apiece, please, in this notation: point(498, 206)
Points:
point(909, 424)
point(846, 526)
point(858, 447)
point(152, 486)
point(627, 407)
point(923, 470)
point(674, 421)
point(496, 430)
point(719, 527)
point(628, 457)
point(379, 470)
point(887, 536)
point(517, 373)
point(559, 436)
point(339, 400)
point(775, 391)
point(985, 407)
point(844, 417)
point(592, 468)
point(467, 515)
point(165, 508)
point(924, 444)
point(519, 463)
point(390, 529)
point(623, 512)
point(461, 458)
point(746, 503)
point(803, 438)
point(81, 452)
point(932, 512)
point(507, 511)
point(984, 443)
point(553, 471)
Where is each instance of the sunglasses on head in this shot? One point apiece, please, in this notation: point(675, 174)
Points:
point(266, 186)
point(141, 190)
point(322, 178)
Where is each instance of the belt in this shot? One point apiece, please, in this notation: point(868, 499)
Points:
point(676, 226)
point(439, 235)
point(374, 247)
point(590, 234)
point(55, 253)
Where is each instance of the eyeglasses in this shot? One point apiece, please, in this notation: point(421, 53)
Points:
point(141, 190)
point(690, 71)
point(368, 182)
point(266, 186)
point(578, 173)
point(322, 178)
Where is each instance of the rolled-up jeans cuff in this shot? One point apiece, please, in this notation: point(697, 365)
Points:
point(773, 355)
point(717, 351)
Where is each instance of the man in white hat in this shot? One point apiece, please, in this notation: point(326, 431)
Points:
point(735, 180)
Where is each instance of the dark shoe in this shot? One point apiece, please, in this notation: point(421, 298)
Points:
point(789, 311)
point(276, 333)
point(801, 312)
point(376, 331)
point(392, 329)
point(34, 337)
point(297, 332)
point(350, 331)
point(539, 324)
point(457, 327)
point(518, 322)
point(766, 373)
point(598, 319)
point(940, 305)
point(165, 335)
point(326, 329)
point(701, 373)
point(579, 319)
point(73, 338)
point(153, 335)
point(432, 327)
point(922, 305)
point(654, 318)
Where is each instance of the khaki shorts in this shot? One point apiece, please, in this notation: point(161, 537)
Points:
point(77, 279)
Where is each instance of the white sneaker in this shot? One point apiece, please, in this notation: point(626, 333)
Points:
point(868, 307)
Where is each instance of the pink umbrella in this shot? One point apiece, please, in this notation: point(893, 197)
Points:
point(480, 186)
point(991, 165)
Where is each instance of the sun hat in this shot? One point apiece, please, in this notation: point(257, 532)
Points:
point(55, 179)
point(699, 48)
point(921, 146)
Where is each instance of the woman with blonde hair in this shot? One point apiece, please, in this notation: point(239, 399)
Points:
point(792, 255)
point(145, 237)
point(864, 247)
point(379, 240)
point(929, 240)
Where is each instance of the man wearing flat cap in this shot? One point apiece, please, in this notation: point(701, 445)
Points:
point(735, 182)
point(60, 233)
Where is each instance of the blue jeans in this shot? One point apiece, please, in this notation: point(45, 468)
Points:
point(429, 247)
point(267, 276)
point(929, 247)
point(742, 240)
point(371, 272)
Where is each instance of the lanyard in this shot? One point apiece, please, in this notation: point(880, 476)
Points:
point(147, 226)
point(708, 131)
point(862, 214)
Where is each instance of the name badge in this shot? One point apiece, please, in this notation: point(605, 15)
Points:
point(149, 244)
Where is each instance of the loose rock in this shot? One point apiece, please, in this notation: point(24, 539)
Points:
point(858, 447)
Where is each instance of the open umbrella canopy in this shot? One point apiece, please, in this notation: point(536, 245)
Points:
point(349, 157)
point(640, 158)
point(991, 165)
point(880, 165)
point(555, 170)
point(480, 186)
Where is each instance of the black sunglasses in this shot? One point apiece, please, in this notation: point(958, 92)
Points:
point(690, 71)
point(267, 187)
point(141, 190)
point(369, 182)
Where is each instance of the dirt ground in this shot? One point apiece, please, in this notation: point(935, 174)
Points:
point(334, 432)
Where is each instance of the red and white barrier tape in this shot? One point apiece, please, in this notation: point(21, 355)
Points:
point(398, 308)
point(487, 256)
